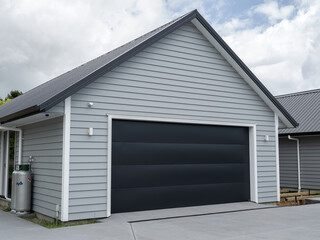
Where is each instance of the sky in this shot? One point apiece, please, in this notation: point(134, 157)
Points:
point(39, 40)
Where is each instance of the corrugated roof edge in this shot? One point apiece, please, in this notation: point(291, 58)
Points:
point(24, 113)
point(298, 93)
point(106, 68)
point(300, 134)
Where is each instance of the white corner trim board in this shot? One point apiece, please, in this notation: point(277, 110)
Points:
point(276, 128)
point(65, 161)
point(252, 149)
point(7, 164)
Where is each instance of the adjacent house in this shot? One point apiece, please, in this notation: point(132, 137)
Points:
point(171, 119)
point(300, 147)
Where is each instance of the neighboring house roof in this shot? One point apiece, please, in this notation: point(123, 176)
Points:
point(305, 108)
point(49, 94)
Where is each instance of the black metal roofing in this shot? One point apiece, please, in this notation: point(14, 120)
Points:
point(56, 90)
point(305, 108)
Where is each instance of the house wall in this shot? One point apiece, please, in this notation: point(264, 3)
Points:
point(59, 108)
point(309, 162)
point(181, 76)
point(43, 141)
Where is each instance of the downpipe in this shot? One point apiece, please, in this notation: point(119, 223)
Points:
point(298, 158)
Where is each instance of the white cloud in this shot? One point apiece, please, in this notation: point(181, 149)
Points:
point(42, 39)
point(285, 56)
point(273, 11)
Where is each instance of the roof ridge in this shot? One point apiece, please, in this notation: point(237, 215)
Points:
point(298, 93)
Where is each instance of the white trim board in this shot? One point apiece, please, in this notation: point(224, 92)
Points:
point(6, 166)
point(65, 161)
point(276, 129)
point(252, 149)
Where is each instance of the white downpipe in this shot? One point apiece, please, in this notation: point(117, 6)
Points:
point(298, 158)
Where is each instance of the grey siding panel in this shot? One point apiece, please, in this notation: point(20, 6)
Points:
point(182, 76)
point(309, 162)
point(59, 108)
point(310, 159)
point(43, 141)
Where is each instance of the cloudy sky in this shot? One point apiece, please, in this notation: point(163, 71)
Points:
point(278, 40)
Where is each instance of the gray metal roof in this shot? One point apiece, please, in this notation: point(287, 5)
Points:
point(305, 108)
point(56, 90)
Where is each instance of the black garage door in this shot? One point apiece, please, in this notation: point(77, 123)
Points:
point(163, 165)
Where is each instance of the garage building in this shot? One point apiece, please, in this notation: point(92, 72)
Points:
point(171, 119)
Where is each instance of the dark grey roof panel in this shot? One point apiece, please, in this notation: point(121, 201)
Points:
point(56, 90)
point(305, 108)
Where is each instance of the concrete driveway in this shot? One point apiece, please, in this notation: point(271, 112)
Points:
point(224, 221)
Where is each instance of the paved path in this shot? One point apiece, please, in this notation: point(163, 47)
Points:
point(251, 222)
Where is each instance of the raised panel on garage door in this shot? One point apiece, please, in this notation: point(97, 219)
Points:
point(159, 165)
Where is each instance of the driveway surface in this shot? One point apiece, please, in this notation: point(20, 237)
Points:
point(223, 221)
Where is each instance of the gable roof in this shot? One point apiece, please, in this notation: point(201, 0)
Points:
point(305, 108)
point(49, 94)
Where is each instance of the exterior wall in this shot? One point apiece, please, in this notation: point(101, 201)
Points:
point(181, 76)
point(43, 141)
point(288, 163)
point(59, 108)
point(309, 162)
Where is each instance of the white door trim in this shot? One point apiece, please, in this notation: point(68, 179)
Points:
point(66, 160)
point(7, 166)
point(252, 148)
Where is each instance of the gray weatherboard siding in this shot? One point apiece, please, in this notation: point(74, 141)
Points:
point(309, 162)
point(43, 141)
point(181, 76)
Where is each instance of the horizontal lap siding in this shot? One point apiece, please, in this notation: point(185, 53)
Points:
point(181, 76)
point(309, 162)
point(59, 108)
point(43, 141)
point(310, 159)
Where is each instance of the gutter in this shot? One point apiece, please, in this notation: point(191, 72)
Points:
point(20, 114)
point(298, 159)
